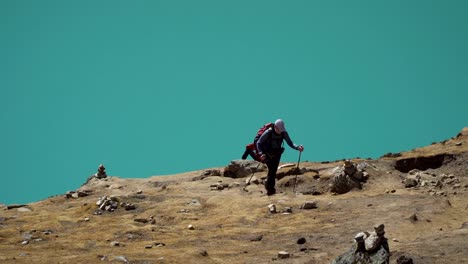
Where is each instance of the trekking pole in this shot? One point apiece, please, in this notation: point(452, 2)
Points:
point(297, 170)
point(253, 174)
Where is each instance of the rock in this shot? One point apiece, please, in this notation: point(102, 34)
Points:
point(391, 155)
point(234, 185)
point(203, 253)
point(272, 209)
point(47, 232)
point(359, 175)
point(253, 180)
point(194, 202)
point(287, 210)
point(121, 259)
point(217, 187)
point(83, 193)
point(159, 244)
point(413, 217)
point(283, 255)
point(115, 186)
point(148, 246)
point(86, 219)
point(372, 242)
point(213, 172)
point(14, 206)
point(458, 144)
point(365, 175)
point(242, 168)
point(404, 260)
point(256, 238)
point(79, 194)
point(350, 170)
point(360, 242)
point(141, 220)
point(128, 206)
point(190, 227)
point(309, 205)
point(301, 241)
point(343, 183)
point(25, 242)
point(69, 194)
point(409, 183)
point(139, 192)
point(24, 210)
point(115, 243)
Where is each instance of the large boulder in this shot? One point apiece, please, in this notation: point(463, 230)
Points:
point(243, 168)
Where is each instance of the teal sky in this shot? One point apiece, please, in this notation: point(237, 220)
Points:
point(162, 87)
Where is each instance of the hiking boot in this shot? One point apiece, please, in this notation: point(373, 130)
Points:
point(271, 192)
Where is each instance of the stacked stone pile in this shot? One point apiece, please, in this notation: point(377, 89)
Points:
point(101, 173)
point(368, 248)
point(348, 177)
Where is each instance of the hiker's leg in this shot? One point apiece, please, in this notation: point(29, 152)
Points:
point(246, 153)
point(272, 168)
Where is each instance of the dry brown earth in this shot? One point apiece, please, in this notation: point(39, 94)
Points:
point(234, 226)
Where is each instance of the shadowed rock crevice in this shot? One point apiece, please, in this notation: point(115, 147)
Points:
point(423, 163)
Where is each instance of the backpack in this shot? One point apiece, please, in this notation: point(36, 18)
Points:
point(261, 131)
point(253, 146)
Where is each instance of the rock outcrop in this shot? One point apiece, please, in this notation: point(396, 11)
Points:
point(243, 168)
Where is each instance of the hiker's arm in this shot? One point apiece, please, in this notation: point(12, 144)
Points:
point(289, 141)
point(261, 140)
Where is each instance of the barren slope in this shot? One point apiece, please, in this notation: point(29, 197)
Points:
point(234, 226)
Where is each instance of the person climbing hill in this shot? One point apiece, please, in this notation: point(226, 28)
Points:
point(269, 148)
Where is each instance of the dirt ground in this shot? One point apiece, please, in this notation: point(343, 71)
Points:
point(195, 224)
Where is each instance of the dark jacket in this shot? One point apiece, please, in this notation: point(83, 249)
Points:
point(271, 143)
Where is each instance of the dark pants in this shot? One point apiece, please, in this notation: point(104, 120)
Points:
point(272, 163)
point(249, 150)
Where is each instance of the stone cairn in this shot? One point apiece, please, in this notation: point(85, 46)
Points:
point(368, 248)
point(348, 177)
point(101, 173)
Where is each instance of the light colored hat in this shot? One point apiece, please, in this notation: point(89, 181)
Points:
point(279, 124)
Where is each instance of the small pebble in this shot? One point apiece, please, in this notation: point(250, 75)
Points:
point(283, 254)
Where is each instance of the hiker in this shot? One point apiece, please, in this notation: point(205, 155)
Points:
point(270, 148)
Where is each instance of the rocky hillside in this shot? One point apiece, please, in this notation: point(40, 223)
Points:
point(323, 212)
